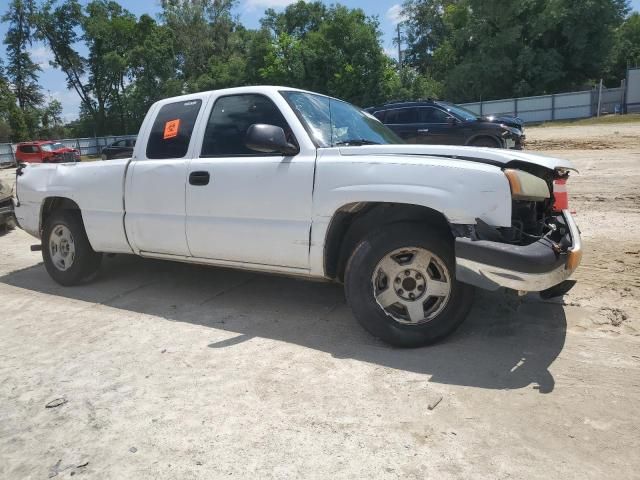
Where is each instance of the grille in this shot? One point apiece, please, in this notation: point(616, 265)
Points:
point(68, 157)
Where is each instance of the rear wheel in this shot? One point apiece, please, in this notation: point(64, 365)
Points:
point(400, 284)
point(67, 254)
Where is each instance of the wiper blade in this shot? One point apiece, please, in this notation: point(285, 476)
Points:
point(356, 142)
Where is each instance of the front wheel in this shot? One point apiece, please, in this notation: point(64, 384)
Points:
point(486, 142)
point(66, 251)
point(400, 284)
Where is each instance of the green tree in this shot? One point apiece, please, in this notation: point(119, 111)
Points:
point(489, 49)
point(21, 71)
point(106, 29)
point(333, 50)
point(12, 123)
point(152, 68)
point(425, 30)
point(626, 52)
point(203, 39)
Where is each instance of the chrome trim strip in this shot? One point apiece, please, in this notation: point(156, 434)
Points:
point(576, 241)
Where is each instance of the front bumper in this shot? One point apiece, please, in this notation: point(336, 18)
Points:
point(532, 268)
point(515, 142)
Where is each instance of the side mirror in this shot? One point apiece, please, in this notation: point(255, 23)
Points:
point(452, 121)
point(269, 139)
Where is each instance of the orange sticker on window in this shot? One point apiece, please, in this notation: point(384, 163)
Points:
point(171, 129)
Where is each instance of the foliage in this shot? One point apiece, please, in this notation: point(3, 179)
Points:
point(332, 50)
point(626, 51)
point(119, 65)
point(490, 49)
point(21, 70)
point(12, 124)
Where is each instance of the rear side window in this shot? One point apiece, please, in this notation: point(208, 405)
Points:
point(230, 119)
point(28, 149)
point(401, 116)
point(172, 129)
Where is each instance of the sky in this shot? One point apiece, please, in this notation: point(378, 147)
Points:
point(249, 11)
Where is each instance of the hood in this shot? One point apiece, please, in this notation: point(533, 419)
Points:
point(490, 156)
point(506, 120)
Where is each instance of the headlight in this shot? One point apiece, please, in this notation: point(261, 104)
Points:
point(525, 186)
point(513, 130)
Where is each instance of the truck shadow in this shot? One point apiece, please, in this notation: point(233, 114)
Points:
point(505, 343)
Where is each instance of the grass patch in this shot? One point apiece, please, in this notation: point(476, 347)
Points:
point(604, 120)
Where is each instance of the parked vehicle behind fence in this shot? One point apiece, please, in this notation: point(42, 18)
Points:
point(118, 149)
point(441, 123)
point(286, 181)
point(45, 152)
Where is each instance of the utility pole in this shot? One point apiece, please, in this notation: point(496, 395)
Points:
point(399, 47)
point(599, 98)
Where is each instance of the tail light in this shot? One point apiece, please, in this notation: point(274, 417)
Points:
point(560, 195)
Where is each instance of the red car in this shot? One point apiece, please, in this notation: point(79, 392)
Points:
point(45, 152)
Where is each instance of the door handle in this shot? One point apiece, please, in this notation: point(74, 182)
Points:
point(199, 178)
point(423, 130)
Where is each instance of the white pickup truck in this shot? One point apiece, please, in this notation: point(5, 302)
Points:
point(286, 181)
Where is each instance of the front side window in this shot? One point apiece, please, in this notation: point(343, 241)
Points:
point(460, 112)
point(230, 119)
point(47, 147)
point(332, 122)
point(380, 115)
point(433, 115)
point(172, 129)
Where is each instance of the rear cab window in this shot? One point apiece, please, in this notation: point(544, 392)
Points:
point(172, 128)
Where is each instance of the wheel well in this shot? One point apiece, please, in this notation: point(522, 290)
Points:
point(51, 204)
point(353, 221)
point(494, 139)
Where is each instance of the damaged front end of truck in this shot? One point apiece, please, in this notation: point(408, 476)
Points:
point(541, 248)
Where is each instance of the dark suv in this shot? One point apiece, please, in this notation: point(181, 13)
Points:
point(119, 149)
point(443, 123)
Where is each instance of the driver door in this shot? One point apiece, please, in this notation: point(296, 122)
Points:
point(244, 206)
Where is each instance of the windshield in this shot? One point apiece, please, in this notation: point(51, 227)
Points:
point(468, 115)
point(57, 146)
point(332, 122)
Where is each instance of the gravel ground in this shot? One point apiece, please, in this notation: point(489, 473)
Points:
point(176, 371)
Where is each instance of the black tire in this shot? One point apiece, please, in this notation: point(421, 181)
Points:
point(359, 288)
point(486, 142)
point(86, 261)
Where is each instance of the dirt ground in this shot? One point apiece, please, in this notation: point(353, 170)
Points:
point(175, 371)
